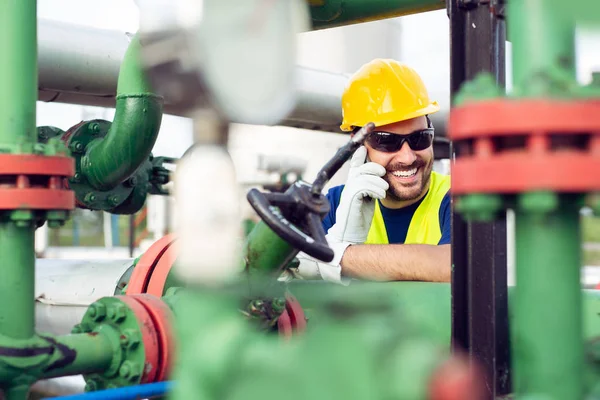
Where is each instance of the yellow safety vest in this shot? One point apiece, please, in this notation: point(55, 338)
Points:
point(424, 226)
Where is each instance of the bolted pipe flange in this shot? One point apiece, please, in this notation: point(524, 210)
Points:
point(125, 198)
point(135, 342)
point(512, 146)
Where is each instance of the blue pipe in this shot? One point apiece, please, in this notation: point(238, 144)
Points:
point(125, 393)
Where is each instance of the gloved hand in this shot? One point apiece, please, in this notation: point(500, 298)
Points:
point(355, 212)
point(312, 269)
point(353, 220)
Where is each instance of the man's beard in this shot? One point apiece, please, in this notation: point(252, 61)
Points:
point(397, 195)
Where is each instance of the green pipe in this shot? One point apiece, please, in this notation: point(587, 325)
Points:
point(18, 75)
point(113, 159)
point(93, 353)
point(48, 356)
point(266, 251)
point(332, 13)
point(17, 280)
point(543, 48)
point(547, 323)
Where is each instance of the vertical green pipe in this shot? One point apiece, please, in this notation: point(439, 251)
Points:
point(543, 47)
point(18, 80)
point(18, 75)
point(17, 277)
point(548, 348)
point(265, 250)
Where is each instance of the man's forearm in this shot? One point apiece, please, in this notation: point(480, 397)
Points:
point(398, 262)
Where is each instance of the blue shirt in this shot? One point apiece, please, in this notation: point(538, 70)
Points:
point(396, 220)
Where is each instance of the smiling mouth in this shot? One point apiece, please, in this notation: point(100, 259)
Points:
point(405, 174)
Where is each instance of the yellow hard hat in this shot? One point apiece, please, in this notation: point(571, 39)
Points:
point(383, 92)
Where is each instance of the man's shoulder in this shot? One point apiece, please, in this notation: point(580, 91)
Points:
point(333, 194)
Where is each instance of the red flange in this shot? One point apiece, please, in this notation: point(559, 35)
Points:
point(510, 146)
point(34, 182)
point(162, 318)
point(158, 279)
point(144, 269)
point(149, 338)
point(292, 319)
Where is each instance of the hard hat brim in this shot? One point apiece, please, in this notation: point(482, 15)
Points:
point(394, 117)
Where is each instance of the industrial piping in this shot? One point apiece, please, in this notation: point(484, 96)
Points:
point(80, 65)
point(111, 160)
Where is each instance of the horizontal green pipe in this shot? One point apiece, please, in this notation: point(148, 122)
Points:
point(265, 250)
point(18, 75)
point(332, 13)
point(132, 135)
point(423, 303)
point(41, 356)
point(89, 353)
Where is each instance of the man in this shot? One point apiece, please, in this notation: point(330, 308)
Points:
point(391, 220)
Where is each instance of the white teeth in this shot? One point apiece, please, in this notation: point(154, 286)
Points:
point(405, 174)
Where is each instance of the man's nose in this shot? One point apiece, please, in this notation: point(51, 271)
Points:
point(405, 155)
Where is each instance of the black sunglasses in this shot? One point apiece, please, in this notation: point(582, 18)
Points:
point(391, 142)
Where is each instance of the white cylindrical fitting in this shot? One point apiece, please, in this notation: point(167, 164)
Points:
point(209, 228)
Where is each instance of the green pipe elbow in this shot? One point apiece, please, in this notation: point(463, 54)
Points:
point(133, 133)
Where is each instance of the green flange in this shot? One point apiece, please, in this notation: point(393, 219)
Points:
point(127, 197)
point(110, 313)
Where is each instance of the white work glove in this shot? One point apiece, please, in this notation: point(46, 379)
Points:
point(312, 269)
point(355, 212)
point(353, 220)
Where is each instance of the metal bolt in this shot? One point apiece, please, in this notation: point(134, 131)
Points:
point(129, 370)
point(479, 207)
point(76, 146)
point(130, 339)
point(538, 202)
point(131, 182)
point(77, 329)
point(76, 178)
point(279, 304)
point(114, 200)
point(94, 128)
point(89, 197)
point(125, 370)
point(117, 312)
point(97, 311)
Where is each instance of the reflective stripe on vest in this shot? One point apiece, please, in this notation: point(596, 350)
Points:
point(424, 226)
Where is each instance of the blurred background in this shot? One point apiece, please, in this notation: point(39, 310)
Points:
point(261, 153)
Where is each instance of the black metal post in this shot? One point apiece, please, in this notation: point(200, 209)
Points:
point(479, 278)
